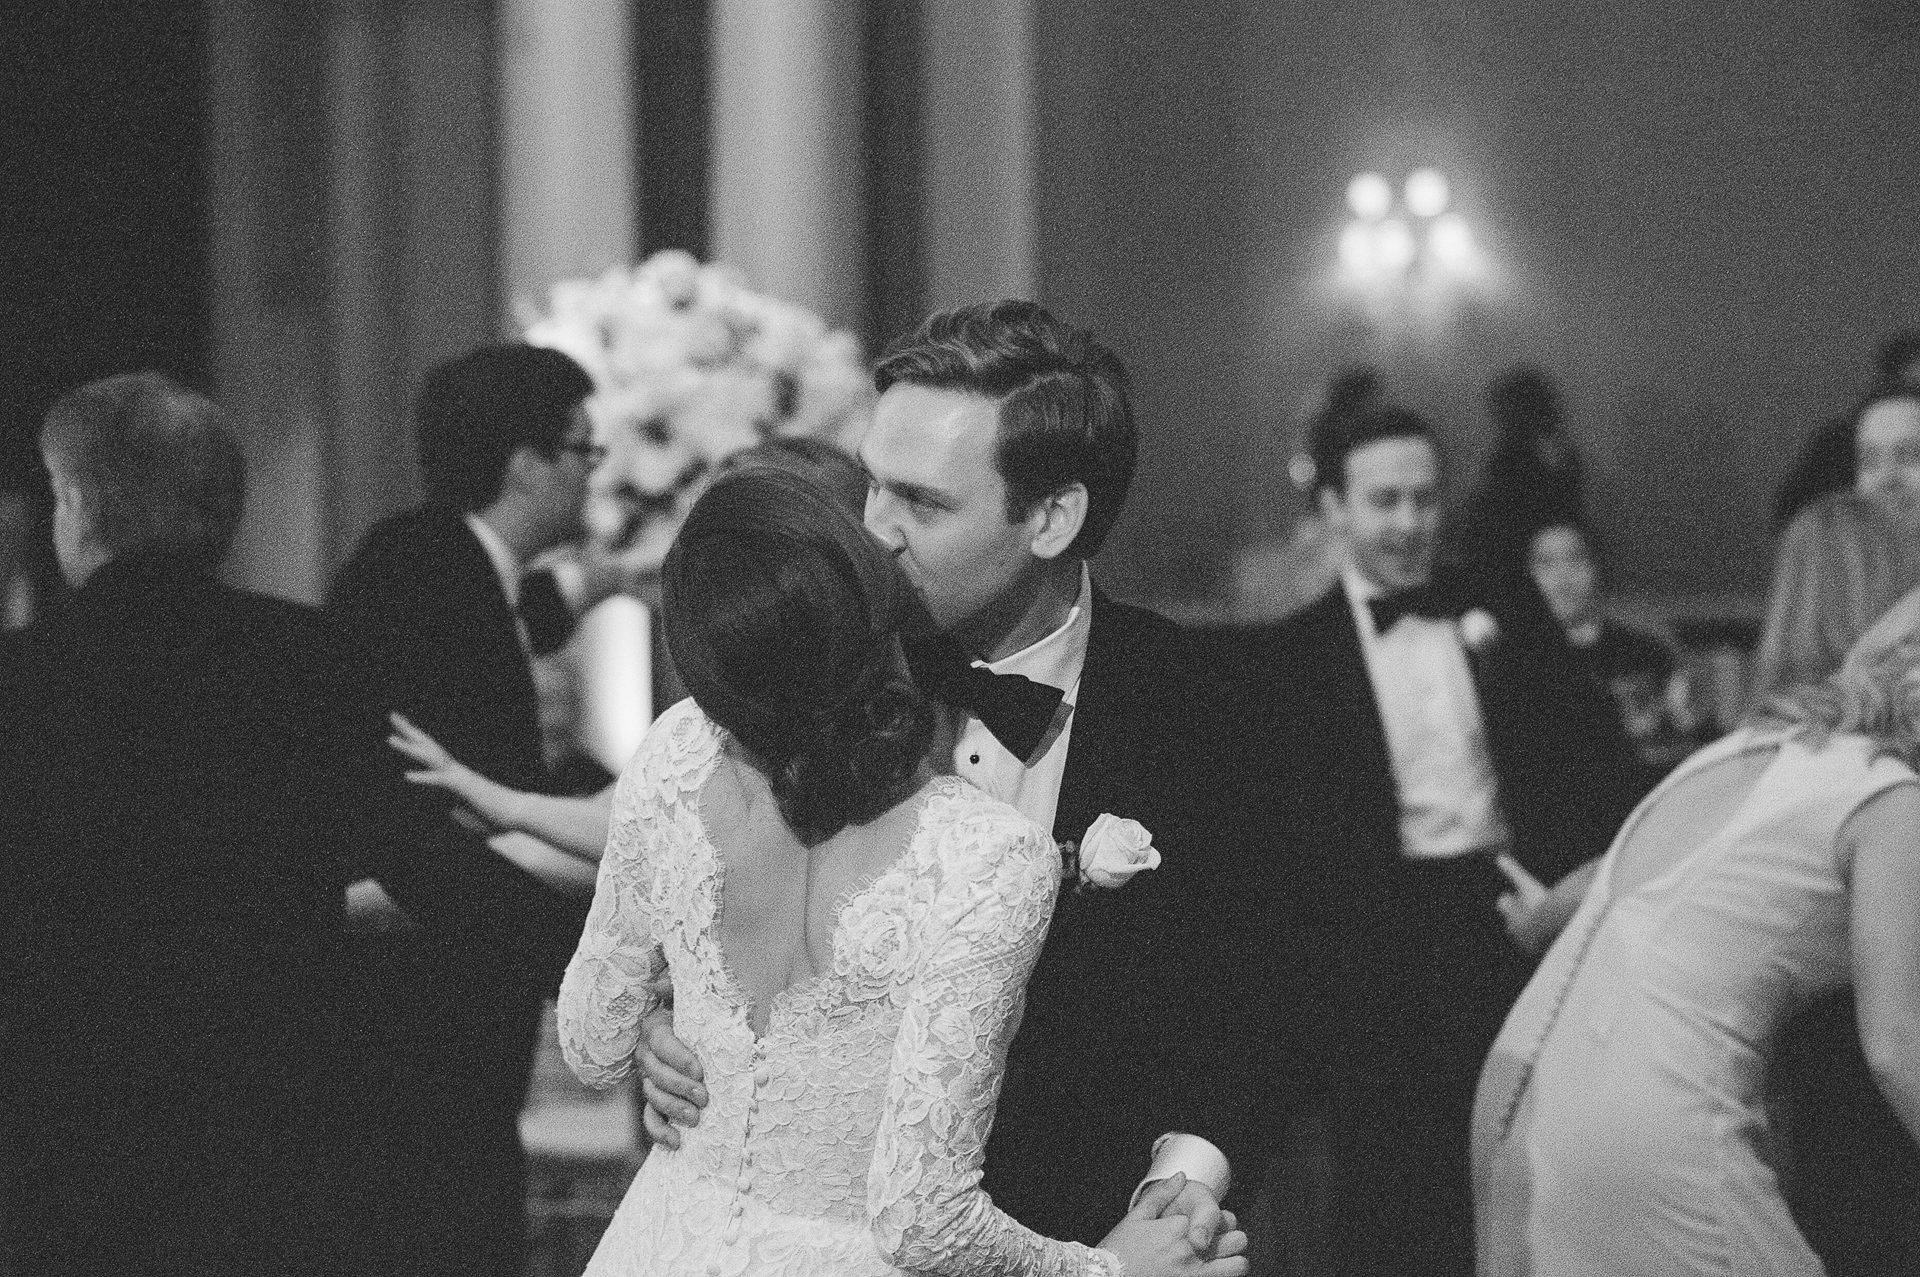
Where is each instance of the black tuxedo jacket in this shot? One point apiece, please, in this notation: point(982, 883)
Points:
point(1125, 1036)
point(1420, 973)
point(1563, 764)
point(181, 796)
point(455, 1001)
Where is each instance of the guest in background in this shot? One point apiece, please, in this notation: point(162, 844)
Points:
point(1640, 670)
point(1531, 477)
point(1621, 1124)
point(1428, 732)
point(523, 822)
point(447, 988)
point(179, 783)
point(1280, 577)
point(1854, 1180)
point(1847, 555)
point(1826, 460)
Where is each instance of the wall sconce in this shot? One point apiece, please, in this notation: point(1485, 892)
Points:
point(1381, 247)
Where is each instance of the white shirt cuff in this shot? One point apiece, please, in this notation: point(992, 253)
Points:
point(1192, 1156)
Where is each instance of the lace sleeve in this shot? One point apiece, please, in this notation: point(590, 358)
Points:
point(924, 1199)
point(604, 996)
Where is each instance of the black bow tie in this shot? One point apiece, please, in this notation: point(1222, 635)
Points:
point(1425, 600)
point(1017, 710)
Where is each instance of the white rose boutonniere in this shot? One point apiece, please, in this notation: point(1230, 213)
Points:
point(1113, 851)
point(1478, 630)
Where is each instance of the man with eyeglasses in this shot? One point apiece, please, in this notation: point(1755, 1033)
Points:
point(453, 955)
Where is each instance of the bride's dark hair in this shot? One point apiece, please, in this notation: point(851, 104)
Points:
point(782, 616)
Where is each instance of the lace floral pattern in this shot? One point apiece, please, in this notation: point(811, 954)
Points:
point(849, 1137)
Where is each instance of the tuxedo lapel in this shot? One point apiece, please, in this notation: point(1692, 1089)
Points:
point(1558, 750)
point(475, 590)
point(1335, 660)
point(483, 639)
point(1132, 717)
point(1098, 746)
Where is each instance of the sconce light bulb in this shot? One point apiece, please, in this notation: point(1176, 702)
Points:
point(1369, 196)
point(1427, 192)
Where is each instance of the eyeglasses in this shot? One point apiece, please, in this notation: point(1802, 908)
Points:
point(595, 453)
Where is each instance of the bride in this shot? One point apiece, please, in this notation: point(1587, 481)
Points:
point(848, 936)
point(1618, 1127)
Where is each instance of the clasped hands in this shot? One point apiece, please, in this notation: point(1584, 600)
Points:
point(1176, 1226)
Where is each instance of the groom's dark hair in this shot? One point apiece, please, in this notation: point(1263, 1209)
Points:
point(1066, 410)
point(473, 410)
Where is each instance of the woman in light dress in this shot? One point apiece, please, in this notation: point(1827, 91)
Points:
point(1619, 1127)
point(848, 936)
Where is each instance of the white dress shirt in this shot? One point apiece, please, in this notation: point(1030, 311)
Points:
point(1436, 739)
point(506, 566)
point(1032, 785)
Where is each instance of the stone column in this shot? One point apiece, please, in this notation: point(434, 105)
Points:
point(353, 246)
point(566, 143)
point(979, 208)
point(788, 186)
point(567, 210)
point(267, 182)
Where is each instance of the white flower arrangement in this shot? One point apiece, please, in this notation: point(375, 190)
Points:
point(691, 366)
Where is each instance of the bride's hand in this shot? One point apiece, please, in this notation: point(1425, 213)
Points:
point(492, 803)
point(1148, 1246)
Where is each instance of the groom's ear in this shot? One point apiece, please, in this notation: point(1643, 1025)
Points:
point(1056, 519)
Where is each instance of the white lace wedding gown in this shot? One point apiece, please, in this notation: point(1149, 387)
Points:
point(848, 1139)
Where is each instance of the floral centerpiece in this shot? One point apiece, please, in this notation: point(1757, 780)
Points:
point(691, 366)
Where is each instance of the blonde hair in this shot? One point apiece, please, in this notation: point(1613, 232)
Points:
point(1878, 698)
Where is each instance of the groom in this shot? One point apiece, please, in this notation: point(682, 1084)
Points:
point(1000, 455)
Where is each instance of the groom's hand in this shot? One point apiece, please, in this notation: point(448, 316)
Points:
point(670, 1080)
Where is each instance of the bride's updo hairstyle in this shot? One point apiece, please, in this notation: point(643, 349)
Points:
point(782, 616)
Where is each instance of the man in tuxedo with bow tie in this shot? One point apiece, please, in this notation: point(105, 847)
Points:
point(1000, 455)
point(1422, 740)
point(457, 952)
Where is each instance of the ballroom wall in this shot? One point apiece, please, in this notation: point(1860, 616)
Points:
point(102, 204)
point(1700, 218)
